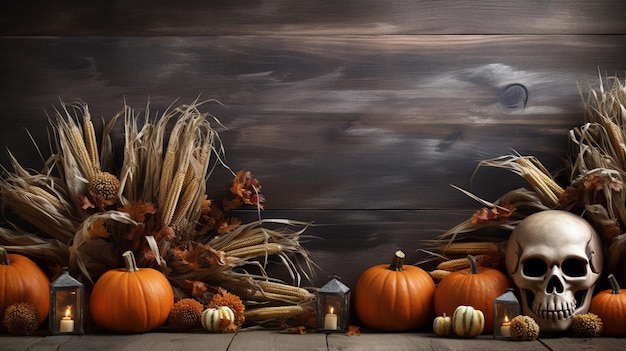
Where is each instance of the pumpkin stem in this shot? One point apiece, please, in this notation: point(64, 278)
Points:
point(398, 259)
point(614, 285)
point(129, 260)
point(472, 263)
point(4, 257)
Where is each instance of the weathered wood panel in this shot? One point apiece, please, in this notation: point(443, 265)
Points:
point(275, 340)
point(347, 242)
point(155, 341)
point(141, 17)
point(354, 115)
point(419, 342)
point(579, 344)
point(330, 122)
point(250, 341)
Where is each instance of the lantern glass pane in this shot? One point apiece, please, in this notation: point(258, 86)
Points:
point(333, 304)
point(505, 308)
point(66, 306)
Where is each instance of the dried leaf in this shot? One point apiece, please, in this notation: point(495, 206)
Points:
point(504, 210)
point(228, 225)
point(98, 230)
point(201, 256)
point(295, 330)
point(226, 326)
point(247, 188)
point(138, 210)
point(353, 330)
point(198, 288)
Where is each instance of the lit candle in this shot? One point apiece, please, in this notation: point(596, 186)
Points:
point(505, 329)
point(67, 324)
point(330, 320)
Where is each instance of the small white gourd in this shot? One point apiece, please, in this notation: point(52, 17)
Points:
point(468, 322)
point(212, 318)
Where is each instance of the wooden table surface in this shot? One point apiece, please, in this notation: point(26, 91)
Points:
point(257, 340)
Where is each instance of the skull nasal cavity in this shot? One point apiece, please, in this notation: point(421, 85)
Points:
point(554, 285)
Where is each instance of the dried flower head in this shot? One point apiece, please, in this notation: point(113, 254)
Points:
point(21, 318)
point(186, 314)
point(104, 187)
point(232, 301)
point(524, 328)
point(587, 325)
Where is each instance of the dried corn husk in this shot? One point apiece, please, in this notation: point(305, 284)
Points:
point(596, 181)
point(157, 207)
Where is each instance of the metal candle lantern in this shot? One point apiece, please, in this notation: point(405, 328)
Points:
point(333, 306)
point(505, 308)
point(66, 305)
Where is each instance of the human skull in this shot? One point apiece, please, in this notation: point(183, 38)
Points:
point(555, 259)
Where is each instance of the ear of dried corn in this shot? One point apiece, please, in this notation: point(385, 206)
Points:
point(596, 189)
point(271, 313)
point(161, 193)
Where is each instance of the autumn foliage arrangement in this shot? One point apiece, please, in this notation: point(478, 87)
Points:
point(87, 209)
point(591, 184)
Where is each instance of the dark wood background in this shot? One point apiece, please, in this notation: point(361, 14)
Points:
point(355, 115)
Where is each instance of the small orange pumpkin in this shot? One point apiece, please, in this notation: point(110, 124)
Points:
point(475, 286)
point(610, 306)
point(21, 280)
point(131, 300)
point(394, 297)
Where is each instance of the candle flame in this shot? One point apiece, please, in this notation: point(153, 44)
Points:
point(331, 309)
point(67, 311)
point(506, 319)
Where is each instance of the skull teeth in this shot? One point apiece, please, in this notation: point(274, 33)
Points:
point(555, 312)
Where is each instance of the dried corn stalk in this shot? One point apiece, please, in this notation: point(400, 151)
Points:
point(155, 208)
point(595, 189)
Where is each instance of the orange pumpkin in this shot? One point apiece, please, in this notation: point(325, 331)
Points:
point(131, 300)
point(394, 297)
point(475, 286)
point(21, 280)
point(610, 306)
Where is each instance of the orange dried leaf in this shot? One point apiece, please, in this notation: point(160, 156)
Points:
point(98, 230)
point(296, 330)
point(504, 210)
point(228, 225)
point(138, 210)
point(353, 330)
point(227, 326)
point(201, 256)
point(247, 188)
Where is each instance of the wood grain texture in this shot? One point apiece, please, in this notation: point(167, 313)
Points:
point(270, 17)
point(276, 340)
point(347, 242)
point(250, 341)
point(354, 115)
point(329, 122)
point(423, 342)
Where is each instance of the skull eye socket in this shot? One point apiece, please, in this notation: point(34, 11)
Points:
point(534, 268)
point(573, 267)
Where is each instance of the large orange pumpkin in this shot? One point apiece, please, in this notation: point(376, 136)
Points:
point(21, 280)
point(475, 286)
point(610, 306)
point(394, 297)
point(131, 300)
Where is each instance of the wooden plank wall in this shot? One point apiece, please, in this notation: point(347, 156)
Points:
point(356, 115)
